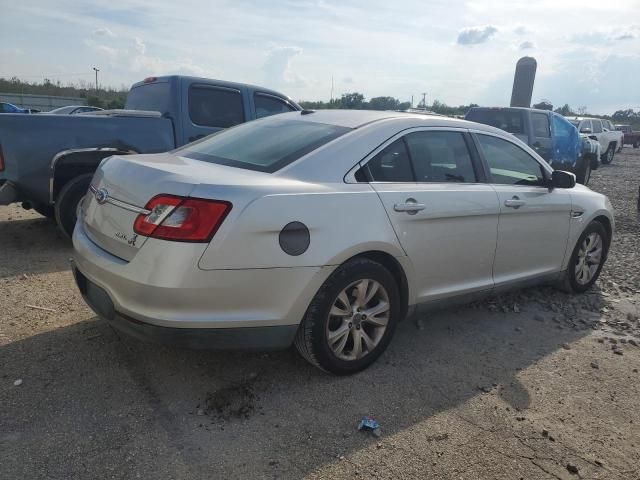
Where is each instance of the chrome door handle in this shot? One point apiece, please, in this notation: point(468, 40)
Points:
point(514, 202)
point(410, 206)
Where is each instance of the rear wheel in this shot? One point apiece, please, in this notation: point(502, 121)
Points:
point(68, 200)
point(607, 157)
point(351, 319)
point(587, 258)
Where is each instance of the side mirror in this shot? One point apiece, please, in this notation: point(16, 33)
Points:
point(585, 130)
point(562, 179)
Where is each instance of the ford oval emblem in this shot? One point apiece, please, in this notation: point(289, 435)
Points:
point(101, 196)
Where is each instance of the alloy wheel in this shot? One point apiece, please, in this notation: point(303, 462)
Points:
point(589, 258)
point(358, 319)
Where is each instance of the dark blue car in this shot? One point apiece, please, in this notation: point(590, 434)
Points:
point(552, 136)
point(11, 108)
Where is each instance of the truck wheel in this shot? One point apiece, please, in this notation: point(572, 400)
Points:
point(607, 157)
point(44, 210)
point(67, 202)
point(583, 174)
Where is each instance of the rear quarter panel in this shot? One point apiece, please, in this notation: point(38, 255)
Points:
point(343, 220)
point(30, 142)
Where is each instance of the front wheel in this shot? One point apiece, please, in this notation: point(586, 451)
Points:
point(352, 318)
point(67, 202)
point(587, 258)
point(583, 174)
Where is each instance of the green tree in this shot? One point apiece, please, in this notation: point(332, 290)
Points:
point(353, 100)
point(565, 110)
point(384, 103)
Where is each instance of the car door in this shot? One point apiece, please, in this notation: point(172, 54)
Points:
point(534, 220)
point(444, 217)
point(600, 134)
point(542, 141)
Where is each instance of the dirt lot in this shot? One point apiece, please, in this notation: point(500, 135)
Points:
point(531, 385)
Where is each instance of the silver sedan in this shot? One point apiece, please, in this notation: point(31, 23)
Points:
point(324, 229)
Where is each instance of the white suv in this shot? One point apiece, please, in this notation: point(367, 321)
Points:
point(603, 131)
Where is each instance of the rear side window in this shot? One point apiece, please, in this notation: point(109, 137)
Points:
point(508, 120)
point(392, 164)
point(215, 107)
point(510, 164)
point(541, 125)
point(264, 145)
point(597, 126)
point(440, 157)
point(269, 105)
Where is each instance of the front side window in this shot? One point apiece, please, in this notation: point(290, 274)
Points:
point(510, 164)
point(540, 125)
point(597, 126)
point(269, 105)
point(585, 125)
point(392, 164)
point(440, 157)
point(263, 145)
point(215, 107)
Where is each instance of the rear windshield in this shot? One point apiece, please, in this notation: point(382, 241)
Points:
point(508, 120)
point(263, 145)
point(149, 96)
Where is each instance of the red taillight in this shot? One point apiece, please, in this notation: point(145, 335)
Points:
point(1, 160)
point(182, 219)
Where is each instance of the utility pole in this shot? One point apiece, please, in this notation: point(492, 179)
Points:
point(424, 100)
point(96, 70)
point(412, 100)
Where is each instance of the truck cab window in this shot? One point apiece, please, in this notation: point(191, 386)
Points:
point(597, 126)
point(540, 125)
point(215, 107)
point(269, 105)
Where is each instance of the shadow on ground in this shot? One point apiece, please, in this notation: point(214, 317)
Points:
point(93, 404)
point(32, 246)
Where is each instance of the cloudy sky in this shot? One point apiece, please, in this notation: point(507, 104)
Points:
point(588, 52)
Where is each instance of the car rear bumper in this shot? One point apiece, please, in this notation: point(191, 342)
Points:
point(263, 338)
point(170, 299)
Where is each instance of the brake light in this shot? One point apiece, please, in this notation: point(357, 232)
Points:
point(1, 159)
point(182, 219)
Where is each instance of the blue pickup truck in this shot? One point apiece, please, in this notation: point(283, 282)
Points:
point(552, 136)
point(47, 161)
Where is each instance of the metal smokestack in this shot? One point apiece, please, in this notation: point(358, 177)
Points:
point(523, 82)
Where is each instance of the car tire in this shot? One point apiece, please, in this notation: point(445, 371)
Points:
point(66, 205)
point(45, 210)
point(575, 280)
point(583, 174)
point(349, 323)
point(607, 157)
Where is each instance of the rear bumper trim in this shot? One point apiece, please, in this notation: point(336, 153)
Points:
point(242, 338)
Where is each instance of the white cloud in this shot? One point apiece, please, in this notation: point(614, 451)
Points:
point(278, 67)
point(140, 47)
point(475, 35)
point(527, 45)
point(104, 32)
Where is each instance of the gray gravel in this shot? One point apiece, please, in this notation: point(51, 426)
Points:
point(535, 384)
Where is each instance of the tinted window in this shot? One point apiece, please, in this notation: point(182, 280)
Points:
point(540, 125)
point(149, 96)
point(585, 125)
point(510, 164)
point(561, 127)
point(267, 105)
point(392, 164)
point(215, 107)
point(440, 157)
point(508, 120)
point(264, 145)
point(597, 126)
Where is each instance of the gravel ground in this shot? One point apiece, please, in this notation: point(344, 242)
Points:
point(536, 384)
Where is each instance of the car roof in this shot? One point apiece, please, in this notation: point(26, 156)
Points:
point(528, 109)
point(360, 118)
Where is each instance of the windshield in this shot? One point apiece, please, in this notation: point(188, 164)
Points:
point(265, 145)
point(149, 96)
point(508, 120)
